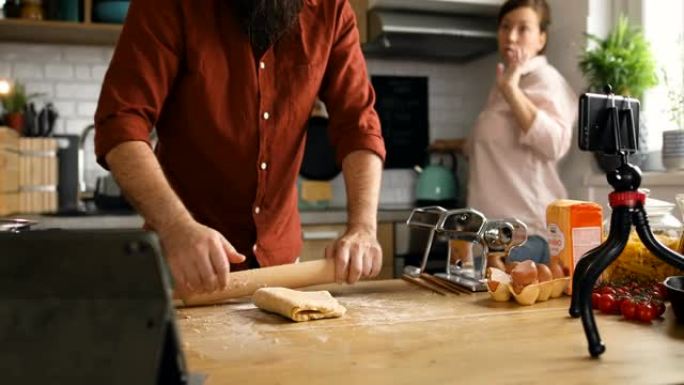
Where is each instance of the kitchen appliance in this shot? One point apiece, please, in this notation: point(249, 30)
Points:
point(87, 307)
point(402, 106)
point(437, 184)
point(457, 30)
point(497, 235)
point(68, 173)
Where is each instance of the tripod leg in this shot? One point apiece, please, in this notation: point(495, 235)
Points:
point(651, 242)
point(587, 260)
point(581, 271)
point(619, 235)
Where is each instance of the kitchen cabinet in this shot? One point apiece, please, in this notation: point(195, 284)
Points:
point(61, 32)
point(317, 237)
point(88, 32)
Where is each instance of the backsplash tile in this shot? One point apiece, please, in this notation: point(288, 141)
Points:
point(69, 76)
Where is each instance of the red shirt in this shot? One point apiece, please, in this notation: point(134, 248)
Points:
point(231, 128)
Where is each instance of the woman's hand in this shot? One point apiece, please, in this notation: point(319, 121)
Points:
point(508, 76)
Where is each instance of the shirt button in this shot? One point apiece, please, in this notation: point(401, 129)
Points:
point(262, 65)
point(263, 165)
point(266, 115)
point(257, 210)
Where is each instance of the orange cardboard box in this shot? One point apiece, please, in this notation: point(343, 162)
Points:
point(574, 228)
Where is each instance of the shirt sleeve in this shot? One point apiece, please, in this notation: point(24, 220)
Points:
point(348, 94)
point(551, 132)
point(142, 70)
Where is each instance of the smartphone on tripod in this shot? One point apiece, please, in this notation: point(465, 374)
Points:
point(598, 130)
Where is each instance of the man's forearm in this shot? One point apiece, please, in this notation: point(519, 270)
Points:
point(142, 180)
point(362, 174)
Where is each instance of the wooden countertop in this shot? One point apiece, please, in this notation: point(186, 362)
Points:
point(396, 333)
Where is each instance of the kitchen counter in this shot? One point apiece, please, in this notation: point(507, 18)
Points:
point(396, 333)
point(135, 221)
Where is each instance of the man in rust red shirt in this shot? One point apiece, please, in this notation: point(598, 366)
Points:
point(229, 86)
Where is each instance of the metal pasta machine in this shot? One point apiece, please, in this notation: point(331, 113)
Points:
point(487, 236)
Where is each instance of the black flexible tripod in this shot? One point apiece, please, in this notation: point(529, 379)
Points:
point(627, 205)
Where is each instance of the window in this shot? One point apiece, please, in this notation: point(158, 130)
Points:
point(663, 25)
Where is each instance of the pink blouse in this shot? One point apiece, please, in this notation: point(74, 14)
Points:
point(514, 174)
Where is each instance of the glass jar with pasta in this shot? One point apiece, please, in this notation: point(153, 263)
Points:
point(636, 262)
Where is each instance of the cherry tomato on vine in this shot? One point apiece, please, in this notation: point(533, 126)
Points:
point(608, 304)
point(628, 309)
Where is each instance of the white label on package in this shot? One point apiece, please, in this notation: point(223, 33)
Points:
point(583, 240)
point(556, 239)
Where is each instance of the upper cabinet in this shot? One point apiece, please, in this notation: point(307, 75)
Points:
point(83, 30)
point(91, 32)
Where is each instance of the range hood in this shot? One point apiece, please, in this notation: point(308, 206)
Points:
point(457, 30)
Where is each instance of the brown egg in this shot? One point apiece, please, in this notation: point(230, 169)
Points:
point(510, 266)
point(544, 273)
point(525, 273)
point(557, 270)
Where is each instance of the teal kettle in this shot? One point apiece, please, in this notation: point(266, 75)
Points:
point(437, 184)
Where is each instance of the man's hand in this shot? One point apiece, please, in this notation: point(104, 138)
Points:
point(199, 257)
point(357, 255)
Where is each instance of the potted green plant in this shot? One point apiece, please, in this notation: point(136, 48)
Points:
point(13, 106)
point(624, 61)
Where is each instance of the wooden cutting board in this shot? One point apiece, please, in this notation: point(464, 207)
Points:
point(396, 333)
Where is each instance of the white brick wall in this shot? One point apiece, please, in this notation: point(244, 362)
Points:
point(69, 76)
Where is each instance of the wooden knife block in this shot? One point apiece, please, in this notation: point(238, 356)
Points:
point(37, 175)
point(9, 171)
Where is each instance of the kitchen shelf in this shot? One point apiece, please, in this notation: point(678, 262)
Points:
point(58, 32)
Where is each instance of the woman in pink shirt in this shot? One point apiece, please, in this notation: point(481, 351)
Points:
point(523, 131)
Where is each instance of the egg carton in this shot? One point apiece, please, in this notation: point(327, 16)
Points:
point(530, 294)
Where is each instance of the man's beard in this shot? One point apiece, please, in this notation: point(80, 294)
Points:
point(265, 21)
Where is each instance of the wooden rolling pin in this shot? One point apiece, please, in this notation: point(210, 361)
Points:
point(243, 283)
